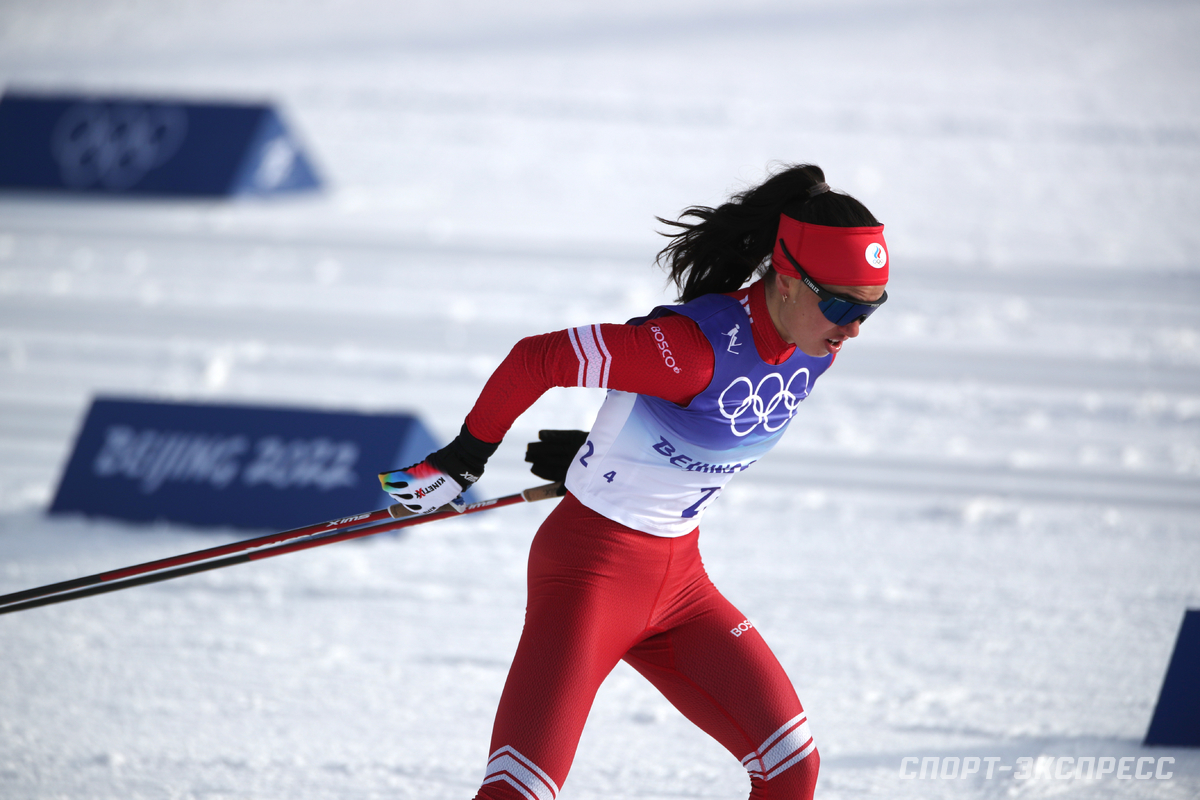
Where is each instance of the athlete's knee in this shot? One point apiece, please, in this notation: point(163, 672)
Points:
point(499, 791)
point(796, 782)
point(512, 776)
point(785, 765)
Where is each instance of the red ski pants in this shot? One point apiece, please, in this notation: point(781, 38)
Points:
point(600, 592)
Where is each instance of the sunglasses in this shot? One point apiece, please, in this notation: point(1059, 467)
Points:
point(840, 309)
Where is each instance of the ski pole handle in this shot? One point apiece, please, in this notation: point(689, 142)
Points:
point(546, 492)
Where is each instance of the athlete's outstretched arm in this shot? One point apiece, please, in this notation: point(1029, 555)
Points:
point(668, 357)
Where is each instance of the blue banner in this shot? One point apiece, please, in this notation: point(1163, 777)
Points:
point(113, 145)
point(237, 466)
point(1176, 720)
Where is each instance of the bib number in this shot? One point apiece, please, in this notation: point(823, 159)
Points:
point(707, 494)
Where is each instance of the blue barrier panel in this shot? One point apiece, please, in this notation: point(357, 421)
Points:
point(239, 466)
point(108, 145)
point(1176, 720)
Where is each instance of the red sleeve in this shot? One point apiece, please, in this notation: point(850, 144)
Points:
point(667, 357)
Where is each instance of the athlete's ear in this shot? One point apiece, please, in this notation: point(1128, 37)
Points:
point(785, 286)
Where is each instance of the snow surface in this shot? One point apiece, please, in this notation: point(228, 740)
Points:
point(978, 539)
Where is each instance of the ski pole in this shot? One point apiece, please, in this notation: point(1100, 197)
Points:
point(356, 520)
point(314, 536)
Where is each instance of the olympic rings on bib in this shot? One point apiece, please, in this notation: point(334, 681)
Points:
point(762, 411)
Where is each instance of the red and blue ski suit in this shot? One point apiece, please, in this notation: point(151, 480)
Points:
point(697, 393)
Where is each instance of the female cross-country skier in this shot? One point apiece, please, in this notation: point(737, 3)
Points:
point(697, 393)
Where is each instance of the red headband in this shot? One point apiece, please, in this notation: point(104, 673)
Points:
point(830, 255)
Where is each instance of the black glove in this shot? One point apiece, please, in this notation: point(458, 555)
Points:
point(464, 458)
point(439, 480)
point(551, 456)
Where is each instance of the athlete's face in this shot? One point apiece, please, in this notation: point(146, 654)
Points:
point(799, 320)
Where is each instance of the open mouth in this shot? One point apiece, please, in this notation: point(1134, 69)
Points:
point(833, 345)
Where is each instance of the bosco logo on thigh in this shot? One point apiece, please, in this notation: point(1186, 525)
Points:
point(741, 627)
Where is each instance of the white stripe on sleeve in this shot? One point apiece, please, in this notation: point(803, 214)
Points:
point(607, 356)
point(593, 356)
point(574, 337)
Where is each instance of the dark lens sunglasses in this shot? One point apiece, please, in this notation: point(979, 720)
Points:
point(840, 309)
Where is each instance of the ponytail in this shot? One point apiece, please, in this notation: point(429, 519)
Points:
point(731, 243)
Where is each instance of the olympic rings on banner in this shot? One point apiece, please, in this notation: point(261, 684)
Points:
point(760, 410)
point(115, 144)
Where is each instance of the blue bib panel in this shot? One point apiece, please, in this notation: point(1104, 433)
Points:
point(655, 466)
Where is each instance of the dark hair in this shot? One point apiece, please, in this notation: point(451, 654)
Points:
point(730, 244)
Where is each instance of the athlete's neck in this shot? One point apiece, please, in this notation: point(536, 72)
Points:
point(770, 345)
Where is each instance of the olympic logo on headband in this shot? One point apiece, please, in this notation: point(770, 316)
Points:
point(876, 255)
point(761, 411)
